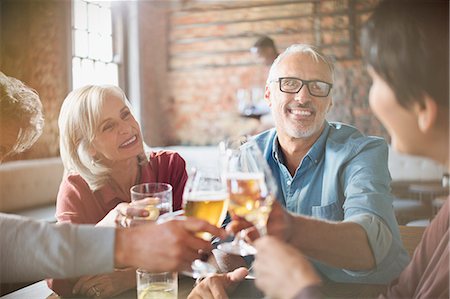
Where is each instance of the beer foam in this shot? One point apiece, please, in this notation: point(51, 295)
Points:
point(245, 176)
point(207, 196)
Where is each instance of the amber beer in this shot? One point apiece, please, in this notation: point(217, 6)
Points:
point(247, 196)
point(210, 206)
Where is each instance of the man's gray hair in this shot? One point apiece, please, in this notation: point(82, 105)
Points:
point(312, 51)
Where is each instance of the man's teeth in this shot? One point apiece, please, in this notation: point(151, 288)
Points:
point(131, 140)
point(301, 112)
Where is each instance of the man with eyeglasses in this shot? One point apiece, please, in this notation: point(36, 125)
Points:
point(332, 175)
point(333, 181)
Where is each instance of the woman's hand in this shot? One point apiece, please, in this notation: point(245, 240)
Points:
point(106, 285)
point(281, 270)
point(218, 286)
point(124, 215)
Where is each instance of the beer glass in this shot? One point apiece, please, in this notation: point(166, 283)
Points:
point(205, 197)
point(251, 188)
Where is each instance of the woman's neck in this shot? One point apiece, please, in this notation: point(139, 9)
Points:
point(125, 174)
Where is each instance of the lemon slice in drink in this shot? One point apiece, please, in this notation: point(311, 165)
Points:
point(153, 213)
point(149, 204)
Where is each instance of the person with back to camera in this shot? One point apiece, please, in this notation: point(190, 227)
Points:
point(33, 250)
point(403, 42)
point(264, 48)
point(103, 154)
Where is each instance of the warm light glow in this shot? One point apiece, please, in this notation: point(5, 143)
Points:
point(92, 54)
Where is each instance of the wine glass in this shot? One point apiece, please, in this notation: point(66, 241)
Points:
point(251, 188)
point(205, 197)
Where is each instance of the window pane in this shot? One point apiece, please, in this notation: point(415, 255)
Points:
point(105, 20)
point(112, 72)
point(80, 43)
point(94, 45)
point(79, 14)
point(94, 19)
point(76, 71)
point(100, 73)
point(105, 48)
point(87, 72)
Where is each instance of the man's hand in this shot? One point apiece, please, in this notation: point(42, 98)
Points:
point(281, 270)
point(168, 246)
point(279, 224)
point(218, 286)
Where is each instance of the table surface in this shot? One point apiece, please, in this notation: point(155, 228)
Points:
point(246, 290)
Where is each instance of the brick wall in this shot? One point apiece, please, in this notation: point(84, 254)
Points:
point(193, 61)
point(209, 60)
point(34, 48)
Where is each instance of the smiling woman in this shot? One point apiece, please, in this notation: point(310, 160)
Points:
point(103, 156)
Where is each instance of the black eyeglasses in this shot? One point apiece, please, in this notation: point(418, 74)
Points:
point(316, 88)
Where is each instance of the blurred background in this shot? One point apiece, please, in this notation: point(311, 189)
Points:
point(183, 63)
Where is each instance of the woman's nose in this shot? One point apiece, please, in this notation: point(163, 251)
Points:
point(124, 128)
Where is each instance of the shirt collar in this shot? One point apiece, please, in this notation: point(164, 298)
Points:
point(315, 153)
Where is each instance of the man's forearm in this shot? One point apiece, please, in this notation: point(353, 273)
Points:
point(338, 244)
point(122, 248)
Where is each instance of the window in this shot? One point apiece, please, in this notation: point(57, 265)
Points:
point(92, 47)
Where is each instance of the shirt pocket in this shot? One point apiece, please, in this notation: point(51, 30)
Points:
point(331, 211)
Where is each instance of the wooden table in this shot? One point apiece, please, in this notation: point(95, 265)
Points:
point(40, 290)
point(246, 290)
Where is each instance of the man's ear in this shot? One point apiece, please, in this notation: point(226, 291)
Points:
point(267, 95)
point(427, 114)
point(330, 106)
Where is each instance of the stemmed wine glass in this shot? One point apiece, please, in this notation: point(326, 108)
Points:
point(205, 197)
point(251, 188)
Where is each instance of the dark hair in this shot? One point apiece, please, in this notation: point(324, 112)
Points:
point(407, 44)
point(264, 42)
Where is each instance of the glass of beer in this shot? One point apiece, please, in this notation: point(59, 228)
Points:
point(205, 197)
point(251, 188)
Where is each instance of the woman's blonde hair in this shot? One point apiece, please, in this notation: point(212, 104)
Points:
point(78, 121)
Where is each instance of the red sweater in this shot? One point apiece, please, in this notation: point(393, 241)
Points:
point(76, 203)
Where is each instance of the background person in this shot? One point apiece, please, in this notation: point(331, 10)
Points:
point(33, 250)
point(103, 154)
point(264, 48)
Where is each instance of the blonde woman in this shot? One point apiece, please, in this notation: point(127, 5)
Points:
point(103, 154)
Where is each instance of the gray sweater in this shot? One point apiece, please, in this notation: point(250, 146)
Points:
point(32, 250)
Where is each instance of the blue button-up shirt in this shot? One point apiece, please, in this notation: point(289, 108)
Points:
point(343, 177)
